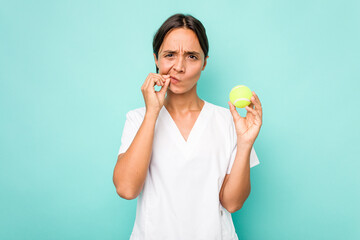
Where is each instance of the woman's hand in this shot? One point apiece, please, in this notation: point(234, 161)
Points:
point(155, 100)
point(248, 127)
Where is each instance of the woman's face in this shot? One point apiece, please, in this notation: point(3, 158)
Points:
point(180, 56)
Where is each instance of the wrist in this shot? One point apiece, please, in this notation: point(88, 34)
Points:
point(151, 115)
point(244, 145)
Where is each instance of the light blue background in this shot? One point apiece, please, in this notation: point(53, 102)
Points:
point(70, 70)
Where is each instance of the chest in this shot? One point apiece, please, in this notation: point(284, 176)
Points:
point(185, 123)
point(206, 152)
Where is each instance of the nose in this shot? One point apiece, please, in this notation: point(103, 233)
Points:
point(179, 65)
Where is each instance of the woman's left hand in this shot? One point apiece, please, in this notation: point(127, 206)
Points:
point(248, 127)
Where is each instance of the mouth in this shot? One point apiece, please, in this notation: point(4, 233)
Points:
point(174, 80)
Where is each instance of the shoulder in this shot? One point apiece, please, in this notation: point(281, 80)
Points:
point(137, 111)
point(136, 115)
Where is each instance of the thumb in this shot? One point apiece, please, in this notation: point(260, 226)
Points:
point(164, 88)
point(233, 111)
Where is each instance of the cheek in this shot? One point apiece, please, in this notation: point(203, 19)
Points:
point(194, 69)
point(165, 66)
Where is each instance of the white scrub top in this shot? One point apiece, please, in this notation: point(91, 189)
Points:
point(180, 196)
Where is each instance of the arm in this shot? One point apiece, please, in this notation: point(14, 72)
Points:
point(236, 186)
point(131, 167)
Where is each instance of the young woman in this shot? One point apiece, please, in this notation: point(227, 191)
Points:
point(187, 159)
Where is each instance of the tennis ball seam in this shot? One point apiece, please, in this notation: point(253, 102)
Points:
point(241, 99)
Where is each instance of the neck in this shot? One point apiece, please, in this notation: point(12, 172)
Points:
point(184, 102)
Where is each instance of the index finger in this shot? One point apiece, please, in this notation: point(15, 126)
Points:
point(257, 100)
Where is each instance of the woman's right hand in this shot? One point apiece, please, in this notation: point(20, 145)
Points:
point(154, 101)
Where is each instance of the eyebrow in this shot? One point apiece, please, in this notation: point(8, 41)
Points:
point(187, 52)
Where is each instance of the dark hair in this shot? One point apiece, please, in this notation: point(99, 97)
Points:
point(180, 21)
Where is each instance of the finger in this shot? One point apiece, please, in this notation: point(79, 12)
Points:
point(251, 105)
point(164, 77)
point(162, 81)
point(233, 111)
point(149, 83)
point(146, 82)
point(256, 97)
point(257, 100)
point(254, 102)
point(253, 111)
point(156, 80)
point(258, 106)
point(152, 81)
point(159, 80)
point(166, 84)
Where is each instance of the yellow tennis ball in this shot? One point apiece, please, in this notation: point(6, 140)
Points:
point(240, 96)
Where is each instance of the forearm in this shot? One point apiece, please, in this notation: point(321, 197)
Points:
point(131, 168)
point(237, 188)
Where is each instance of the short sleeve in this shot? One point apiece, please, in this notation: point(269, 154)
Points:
point(131, 126)
point(253, 157)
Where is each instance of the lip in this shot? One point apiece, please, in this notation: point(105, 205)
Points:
point(174, 80)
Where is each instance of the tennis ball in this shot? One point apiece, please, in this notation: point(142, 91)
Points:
point(240, 96)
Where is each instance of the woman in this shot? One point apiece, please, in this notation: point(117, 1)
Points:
point(186, 159)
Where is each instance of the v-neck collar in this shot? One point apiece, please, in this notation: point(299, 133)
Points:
point(195, 129)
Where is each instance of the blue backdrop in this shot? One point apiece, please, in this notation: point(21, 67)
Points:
point(70, 70)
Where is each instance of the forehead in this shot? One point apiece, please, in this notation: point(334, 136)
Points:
point(181, 39)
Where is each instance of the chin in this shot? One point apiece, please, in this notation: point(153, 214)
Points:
point(171, 89)
point(175, 90)
point(179, 90)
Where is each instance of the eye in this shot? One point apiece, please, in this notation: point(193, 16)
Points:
point(168, 54)
point(193, 56)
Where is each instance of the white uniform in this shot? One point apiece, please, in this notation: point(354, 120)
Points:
point(180, 197)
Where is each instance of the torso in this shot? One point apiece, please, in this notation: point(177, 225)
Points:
point(186, 123)
point(180, 197)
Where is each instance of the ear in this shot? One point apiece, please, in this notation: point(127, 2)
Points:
point(205, 62)
point(156, 61)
